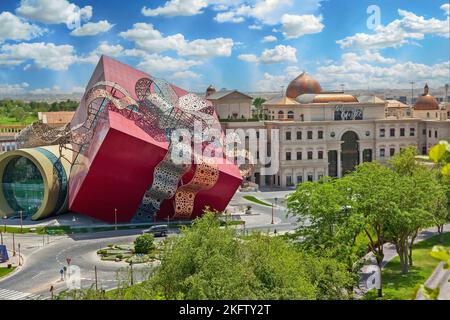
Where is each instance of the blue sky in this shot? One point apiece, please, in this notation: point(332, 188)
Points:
point(250, 45)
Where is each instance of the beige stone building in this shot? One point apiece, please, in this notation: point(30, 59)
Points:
point(230, 104)
point(329, 133)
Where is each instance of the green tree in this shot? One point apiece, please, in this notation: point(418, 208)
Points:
point(421, 202)
point(258, 103)
point(209, 262)
point(144, 244)
point(19, 114)
point(327, 222)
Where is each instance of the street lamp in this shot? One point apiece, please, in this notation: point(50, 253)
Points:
point(21, 221)
point(131, 273)
point(115, 218)
point(4, 222)
point(20, 262)
point(276, 200)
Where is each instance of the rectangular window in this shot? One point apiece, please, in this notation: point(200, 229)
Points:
point(424, 132)
point(288, 156)
point(310, 135)
point(382, 153)
point(392, 152)
point(310, 178)
point(429, 134)
point(382, 133)
point(299, 155)
point(392, 132)
point(320, 155)
point(402, 132)
point(412, 132)
point(320, 134)
point(299, 179)
point(320, 176)
point(288, 136)
point(436, 134)
point(310, 155)
point(289, 181)
point(299, 135)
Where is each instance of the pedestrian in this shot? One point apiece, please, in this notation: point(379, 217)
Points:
point(61, 272)
point(65, 271)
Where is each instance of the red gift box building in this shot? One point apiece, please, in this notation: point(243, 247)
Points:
point(111, 176)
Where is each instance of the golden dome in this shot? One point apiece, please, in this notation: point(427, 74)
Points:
point(426, 101)
point(325, 98)
point(304, 83)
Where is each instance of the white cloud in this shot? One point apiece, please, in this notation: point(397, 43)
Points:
point(255, 27)
point(446, 8)
point(109, 50)
point(268, 12)
point(155, 63)
point(398, 33)
point(53, 11)
point(92, 28)
point(359, 73)
point(14, 28)
point(188, 74)
point(367, 56)
point(295, 26)
point(57, 90)
point(269, 39)
point(279, 54)
point(275, 83)
point(13, 89)
point(151, 40)
point(229, 16)
point(177, 8)
point(43, 55)
point(174, 8)
point(248, 57)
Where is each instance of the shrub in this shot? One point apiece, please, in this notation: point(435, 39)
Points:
point(144, 244)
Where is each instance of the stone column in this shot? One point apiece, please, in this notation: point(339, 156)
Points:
point(339, 163)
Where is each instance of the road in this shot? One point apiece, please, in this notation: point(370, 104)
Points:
point(45, 256)
point(42, 265)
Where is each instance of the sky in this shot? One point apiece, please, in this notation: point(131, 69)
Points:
point(249, 45)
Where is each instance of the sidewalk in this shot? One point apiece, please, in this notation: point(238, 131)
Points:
point(389, 254)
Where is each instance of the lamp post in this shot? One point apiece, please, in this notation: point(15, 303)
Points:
point(275, 200)
point(131, 273)
point(21, 221)
point(115, 219)
point(4, 222)
point(20, 262)
point(14, 245)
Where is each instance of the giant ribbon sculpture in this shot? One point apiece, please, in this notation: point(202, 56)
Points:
point(160, 111)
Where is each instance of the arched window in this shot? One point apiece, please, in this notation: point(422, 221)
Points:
point(302, 117)
point(280, 115)
point(291, 115)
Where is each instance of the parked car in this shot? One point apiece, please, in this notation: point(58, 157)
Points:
point(158, 231)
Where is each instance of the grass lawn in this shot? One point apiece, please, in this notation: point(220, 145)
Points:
point(5, 271)
point(13, 122)
point(256, 200)
point(399, 287)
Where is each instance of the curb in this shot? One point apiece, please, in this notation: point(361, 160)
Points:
point(16, 270)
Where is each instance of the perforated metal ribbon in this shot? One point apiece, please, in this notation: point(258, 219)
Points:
point(166, 177)
point(205, 177)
